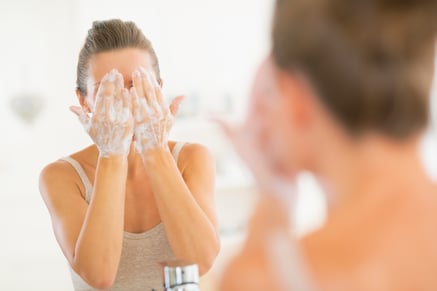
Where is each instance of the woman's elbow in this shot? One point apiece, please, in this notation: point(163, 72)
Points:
point(99, 281)
point(207, 261)
point(97, 277)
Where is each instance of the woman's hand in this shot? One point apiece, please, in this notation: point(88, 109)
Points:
point(255, 141)
point(153, 117)
point(270, 258)
point(111, 124)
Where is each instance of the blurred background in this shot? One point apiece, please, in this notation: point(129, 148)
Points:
point(208, 50)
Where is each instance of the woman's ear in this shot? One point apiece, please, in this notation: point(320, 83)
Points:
point(82, 101)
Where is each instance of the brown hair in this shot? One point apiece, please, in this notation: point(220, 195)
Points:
point(371, 61)
point(110, 35)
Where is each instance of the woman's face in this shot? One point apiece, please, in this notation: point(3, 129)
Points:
point(125, 61)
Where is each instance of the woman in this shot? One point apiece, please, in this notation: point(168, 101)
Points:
point(132, 199)
point(345, 95)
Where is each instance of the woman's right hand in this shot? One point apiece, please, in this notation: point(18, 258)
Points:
point(111, 124)
point(255, 143)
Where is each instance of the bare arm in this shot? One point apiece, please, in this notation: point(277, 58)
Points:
point(90, 236)
point(186, 202)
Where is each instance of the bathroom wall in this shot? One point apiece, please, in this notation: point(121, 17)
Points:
point(208, 51)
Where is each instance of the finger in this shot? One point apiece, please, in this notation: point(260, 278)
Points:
point(99, 105)
point(139, 106)
point(127, 105)
point(108, 110)
point(126, 100)
point(148, 87)
point(138, 83)
point(105, 93)
point(174, 106)
point(107, 85)
point(228, 130)
point(237, 137)
point(135, 104)
point(117, 108)
point(159, 104)
point(150, 94)
point(112, 83)
point(80, 113)
point(119, 86)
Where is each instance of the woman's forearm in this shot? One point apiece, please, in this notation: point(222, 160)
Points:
point(192, 235)
point(98, 247)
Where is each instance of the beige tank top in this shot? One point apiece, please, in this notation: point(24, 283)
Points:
point(139, 267)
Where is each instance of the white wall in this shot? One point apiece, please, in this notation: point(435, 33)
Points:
point(208, 50)
point(35, 43)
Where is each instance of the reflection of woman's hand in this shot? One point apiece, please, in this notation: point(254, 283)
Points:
point(153, 117)
point(270, 258)
point(256, 144)
point(248, 142)
point(110, 125)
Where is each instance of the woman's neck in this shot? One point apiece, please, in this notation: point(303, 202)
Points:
point(371, 168)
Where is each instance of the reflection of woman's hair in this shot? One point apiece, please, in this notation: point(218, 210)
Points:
point(109, 35)
point(371, 61)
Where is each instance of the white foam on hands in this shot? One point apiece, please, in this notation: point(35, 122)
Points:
point(110, 125)
point(153, 119)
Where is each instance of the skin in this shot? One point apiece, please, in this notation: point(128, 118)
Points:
point(380, 229)
point(132, 192)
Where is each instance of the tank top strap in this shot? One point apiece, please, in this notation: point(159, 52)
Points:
point(177, 150)
point(83, 177)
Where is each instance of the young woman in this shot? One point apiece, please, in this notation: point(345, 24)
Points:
point(345, 95)
point(133, 198)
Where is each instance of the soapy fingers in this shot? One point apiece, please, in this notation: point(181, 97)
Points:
point(153, 117)
point(111, 124)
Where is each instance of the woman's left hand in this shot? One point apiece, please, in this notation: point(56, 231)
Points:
point(153, 117)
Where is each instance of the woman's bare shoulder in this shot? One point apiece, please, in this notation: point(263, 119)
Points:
point(60, 172)
point(55, 177)
point(192, 152)
point(55, 169)
point(194, 157)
